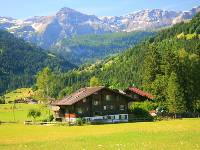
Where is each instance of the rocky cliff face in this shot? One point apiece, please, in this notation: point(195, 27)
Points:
point(149, 19)
point(48, 30)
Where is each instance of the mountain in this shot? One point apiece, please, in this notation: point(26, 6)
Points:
point(20, 61)
point(46, 31)
point(149, 19)
point(166, 65)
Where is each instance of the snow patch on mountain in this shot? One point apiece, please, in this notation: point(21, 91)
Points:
point(48, 30)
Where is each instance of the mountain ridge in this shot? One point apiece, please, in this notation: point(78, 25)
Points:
point(48, 30)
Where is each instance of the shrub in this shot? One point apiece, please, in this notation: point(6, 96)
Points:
point(144, 105)
point(79, 122)
point(141, 113)
point(34, 113)
point(50, 118)
point(162, 110)
point(44, 120)
point(2, 100)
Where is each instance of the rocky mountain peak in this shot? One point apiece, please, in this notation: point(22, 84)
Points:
point(67, 22)
point(70, 16)
point(66, 10)
point(195, 9)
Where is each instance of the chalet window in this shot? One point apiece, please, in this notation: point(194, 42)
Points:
point(108, 97)
point(117, 117)
point(108, 107)
point(105, 117)
point(79, 110)
point(97, 113)
point(135, 96)
point(88, 119)
point(96, 102)
point(121, 107)
point(113, 117)
point(123, 117)
point(111, 107)
point(84, 100)
point(109, 117)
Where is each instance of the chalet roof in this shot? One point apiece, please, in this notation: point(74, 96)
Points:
point(140, 92)
point(78, 95)
point(81, 94)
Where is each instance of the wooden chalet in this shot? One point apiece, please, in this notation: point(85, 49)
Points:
point(98, 104)
point(138, 95)
point(93, 104)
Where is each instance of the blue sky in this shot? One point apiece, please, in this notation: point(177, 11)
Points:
point(28, 8)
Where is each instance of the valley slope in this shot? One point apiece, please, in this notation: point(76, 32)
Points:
point(93, 47)
point(20, 61)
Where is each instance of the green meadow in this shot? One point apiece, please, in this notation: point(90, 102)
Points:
point(18, 112)
point(18, 94)
point(181, 134)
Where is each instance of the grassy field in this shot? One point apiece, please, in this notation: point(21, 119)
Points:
point(164, 135)
point(19, 114)
point(18, 94)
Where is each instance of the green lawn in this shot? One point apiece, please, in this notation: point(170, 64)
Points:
point(19, 114)
point(164, 135)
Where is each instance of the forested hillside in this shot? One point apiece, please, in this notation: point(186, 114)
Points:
point(93, 47)
point(167, 65)
point(20, 61)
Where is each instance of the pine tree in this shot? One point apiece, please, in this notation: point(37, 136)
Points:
point(94, 82)
point(46, 85)
point(151, 67)
point(159, 89)
point(175, 100)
